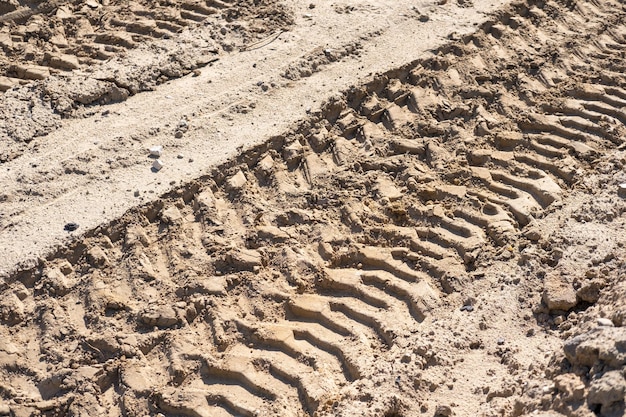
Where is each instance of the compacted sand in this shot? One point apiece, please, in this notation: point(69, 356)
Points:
point(379, 208)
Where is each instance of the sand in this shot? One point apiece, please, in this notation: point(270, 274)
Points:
point(378, 209)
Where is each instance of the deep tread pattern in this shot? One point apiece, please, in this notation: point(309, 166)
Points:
point(77, 36)
point(312, 254)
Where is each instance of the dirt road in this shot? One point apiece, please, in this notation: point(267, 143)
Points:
point(442, 238)
point(87, 169)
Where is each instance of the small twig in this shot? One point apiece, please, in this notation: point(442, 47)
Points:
point(94, 348)
point(210, 61)
point(263, 42)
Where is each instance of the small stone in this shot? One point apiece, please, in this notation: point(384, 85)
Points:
point(604, 322)
point(621, 190)
point(533, 233)
point(70, 227)
point(443, 411)
point(558, 294)
point(178, 134)
point(156, 150)
point(590, 291)
point(558, 320)
point(600, 343)
point(136, 193)
point(500, 341)
point(468, 308)
point(609, 389)
point(157, 165)
point(180, 156)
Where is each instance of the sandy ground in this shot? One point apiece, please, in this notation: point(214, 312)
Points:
point(230, 104)
point(383, 208)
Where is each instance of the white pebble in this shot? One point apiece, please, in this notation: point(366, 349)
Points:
point(156, 150)
point(604, 322)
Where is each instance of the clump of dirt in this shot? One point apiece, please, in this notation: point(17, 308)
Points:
point(261, 17)
point(316, 61)
point(587, 306)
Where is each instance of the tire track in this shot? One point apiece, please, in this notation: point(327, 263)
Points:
point(58, 37)
point(295, 267)
point(413, 248)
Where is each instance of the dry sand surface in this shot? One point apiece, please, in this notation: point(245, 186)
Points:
point(372, 208)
